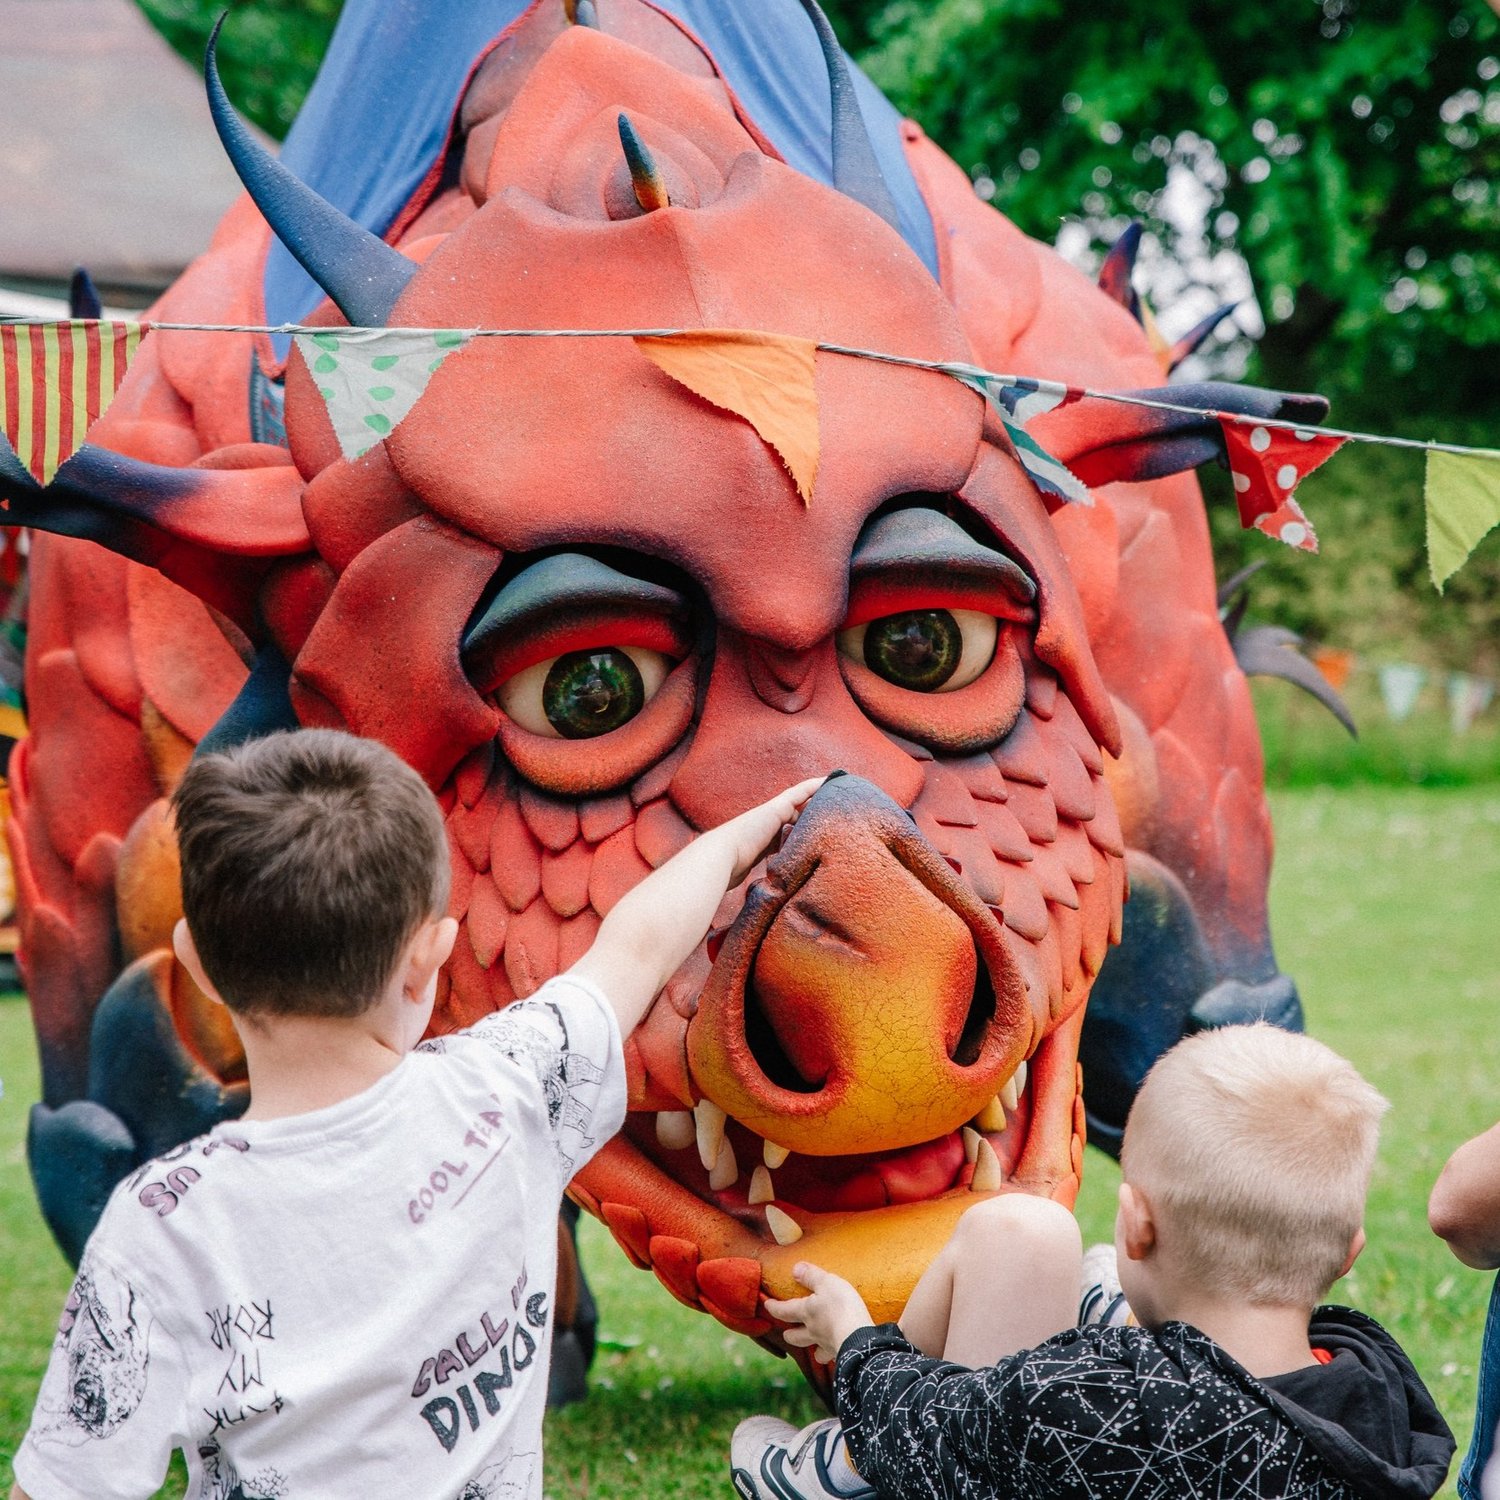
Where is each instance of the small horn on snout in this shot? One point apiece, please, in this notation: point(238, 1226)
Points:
point(645, 175)
point(361, 273)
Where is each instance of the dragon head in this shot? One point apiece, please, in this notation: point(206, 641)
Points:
point(592, 608)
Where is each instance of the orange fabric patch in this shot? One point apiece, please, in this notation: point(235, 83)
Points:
point(766, 378)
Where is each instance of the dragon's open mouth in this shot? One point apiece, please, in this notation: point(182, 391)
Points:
point(771, 1189)
point(712, 1204)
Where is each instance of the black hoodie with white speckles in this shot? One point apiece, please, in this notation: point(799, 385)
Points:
point(1124, 1412)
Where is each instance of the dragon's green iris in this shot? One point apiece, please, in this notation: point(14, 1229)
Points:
point(918, 649)
point(592, 692)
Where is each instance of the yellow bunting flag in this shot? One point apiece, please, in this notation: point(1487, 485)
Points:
point(1463, 502)
point(766, 378)
point(56, 379)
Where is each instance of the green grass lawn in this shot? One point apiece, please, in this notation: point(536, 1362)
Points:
point(1385, 905)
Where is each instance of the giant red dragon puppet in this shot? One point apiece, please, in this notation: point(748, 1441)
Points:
point(592, 610)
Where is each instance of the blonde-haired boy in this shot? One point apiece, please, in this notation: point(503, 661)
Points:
point(1246, 1160)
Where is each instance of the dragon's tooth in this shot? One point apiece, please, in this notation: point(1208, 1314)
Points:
point(1020, 1078)
point(784, 1228)
point(675, 1129)
point(774, 1155)
point(1008, 1091)
point(761, 1187)
point(987, 1174)
point(991, 1119)
point(726, 1170)
point(709, 1123)
point(971, 1139)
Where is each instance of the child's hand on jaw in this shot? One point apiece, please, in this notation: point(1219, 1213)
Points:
point(822, 1321)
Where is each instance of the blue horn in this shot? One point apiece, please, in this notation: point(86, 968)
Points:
point(856, 172)
point(361, 273)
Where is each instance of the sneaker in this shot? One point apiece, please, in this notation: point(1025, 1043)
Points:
point(770, 1460)
point(1101, 1302)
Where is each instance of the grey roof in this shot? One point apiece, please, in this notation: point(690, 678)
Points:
point(108, 158)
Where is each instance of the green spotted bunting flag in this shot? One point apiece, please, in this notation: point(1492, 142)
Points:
point(370, 378)
point(1016, 400)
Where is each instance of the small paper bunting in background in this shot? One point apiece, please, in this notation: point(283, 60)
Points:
point(1400, 687)
point(1288, 523)
point(1267, 464)
point(767, 379)
point(370, 378)
point(1016, 402)
point(1463, 503)
point(1335, 663)
point(1468, 697)
point(56, 380)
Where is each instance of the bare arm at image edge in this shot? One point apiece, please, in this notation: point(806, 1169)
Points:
point(1465, 1205)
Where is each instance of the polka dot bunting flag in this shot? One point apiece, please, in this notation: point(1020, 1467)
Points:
point(1267, 465)
point(370, 378)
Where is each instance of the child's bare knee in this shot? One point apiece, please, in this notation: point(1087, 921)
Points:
point(1017, 1223)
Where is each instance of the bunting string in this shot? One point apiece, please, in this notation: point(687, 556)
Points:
point(56, 377)
point(940, 366)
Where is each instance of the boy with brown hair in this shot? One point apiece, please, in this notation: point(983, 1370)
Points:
point(347, 1291)
point(1246, 1160)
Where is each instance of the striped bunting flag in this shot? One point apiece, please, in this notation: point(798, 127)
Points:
point(55, 380)
point(1016, 401)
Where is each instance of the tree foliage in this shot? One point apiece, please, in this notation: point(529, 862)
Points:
point(1351, 151)
point(268, 54)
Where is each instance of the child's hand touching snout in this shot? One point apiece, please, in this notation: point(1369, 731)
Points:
point(822, 1321)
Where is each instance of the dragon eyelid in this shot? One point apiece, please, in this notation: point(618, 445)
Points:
point(920, 544)
point(566, 580)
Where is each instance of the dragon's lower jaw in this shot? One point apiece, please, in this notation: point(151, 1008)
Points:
point(722, 1243)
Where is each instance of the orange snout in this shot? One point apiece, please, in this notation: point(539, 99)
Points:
point(863, 999)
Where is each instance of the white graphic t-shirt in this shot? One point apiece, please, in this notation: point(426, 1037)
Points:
point(355, 1301)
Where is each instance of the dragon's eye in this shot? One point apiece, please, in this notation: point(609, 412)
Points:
point(924, 650)
point(582, 694)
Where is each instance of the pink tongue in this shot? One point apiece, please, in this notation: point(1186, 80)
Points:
point(819, 1184)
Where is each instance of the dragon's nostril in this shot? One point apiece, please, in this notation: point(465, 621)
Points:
point(767, 1050)
point(966, 1050)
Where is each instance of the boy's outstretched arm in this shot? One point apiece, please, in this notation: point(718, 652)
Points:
point(654, 927)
